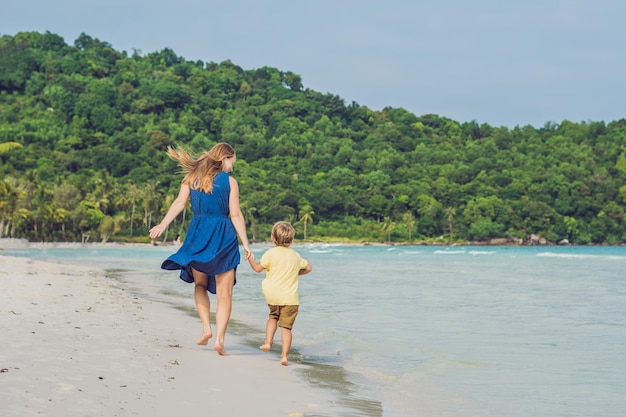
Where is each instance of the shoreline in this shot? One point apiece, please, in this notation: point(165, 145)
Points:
point(84, 343)
point(13, 244)
point(320, 367)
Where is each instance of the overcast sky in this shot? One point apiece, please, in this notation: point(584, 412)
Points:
point(500, 62)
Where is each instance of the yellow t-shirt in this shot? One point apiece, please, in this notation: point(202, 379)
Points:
point(280, 286)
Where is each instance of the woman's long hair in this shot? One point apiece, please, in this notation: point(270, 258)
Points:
point(200, 172)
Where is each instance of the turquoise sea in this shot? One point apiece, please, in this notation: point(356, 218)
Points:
point(431, 331)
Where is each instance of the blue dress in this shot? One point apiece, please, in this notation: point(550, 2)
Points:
point(211, 244)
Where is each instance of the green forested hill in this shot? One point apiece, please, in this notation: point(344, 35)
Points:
point(83, 129)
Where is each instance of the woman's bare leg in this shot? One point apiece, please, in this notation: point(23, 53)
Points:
point(203, 305)
point(224, 290)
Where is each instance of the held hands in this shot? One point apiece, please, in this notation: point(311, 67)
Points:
point(256, 267)
point(248, 255)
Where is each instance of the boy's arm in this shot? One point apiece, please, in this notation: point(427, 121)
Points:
point(257, 267)
point(305, 270)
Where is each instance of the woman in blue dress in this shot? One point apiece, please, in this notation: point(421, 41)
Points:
point(209, 254)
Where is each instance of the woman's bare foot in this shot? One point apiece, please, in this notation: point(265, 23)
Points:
point(219, 348)
point(284, 361)
point(204, 339)
point(265, 347)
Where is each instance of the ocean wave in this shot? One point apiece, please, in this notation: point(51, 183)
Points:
point(482, 252)
point(581, 256)
point(449, 252)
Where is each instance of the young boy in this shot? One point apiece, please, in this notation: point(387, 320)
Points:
point(283, 265)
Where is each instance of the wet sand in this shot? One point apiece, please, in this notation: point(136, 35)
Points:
point(78, 343)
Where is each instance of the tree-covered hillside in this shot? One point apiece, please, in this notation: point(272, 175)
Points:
point(83, 130)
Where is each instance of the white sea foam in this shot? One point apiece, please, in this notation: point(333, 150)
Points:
point(481, 252)
point(581, 256)
point(410, 252)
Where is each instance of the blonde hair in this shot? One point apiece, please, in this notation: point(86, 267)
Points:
point(200, 171)
point(283, 234)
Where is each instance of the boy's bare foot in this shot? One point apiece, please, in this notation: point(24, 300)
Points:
point(204, 339)
point(265, 347)
point(219, 348)
point(284, 361)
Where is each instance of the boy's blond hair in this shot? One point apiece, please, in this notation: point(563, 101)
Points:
point(283, 234)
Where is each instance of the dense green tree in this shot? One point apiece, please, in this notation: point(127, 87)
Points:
point(83, 130)
point(6, 147)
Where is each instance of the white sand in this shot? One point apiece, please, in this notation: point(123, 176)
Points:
point(75, 343)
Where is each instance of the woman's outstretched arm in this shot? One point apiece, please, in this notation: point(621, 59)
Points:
point(175, 209)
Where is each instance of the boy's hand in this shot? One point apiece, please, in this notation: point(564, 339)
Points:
point(256, 267)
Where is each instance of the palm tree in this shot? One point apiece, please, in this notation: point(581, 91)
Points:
point(103, 188)
point(450, 212)
point(7, 203)
point(248, 214)
point(388, 226)
point(306, 217)
point(133, 195)
point(150, 200)
point(22, 218)
point(12, 194)
point(106, 228)
point(4, 204)
point(43, 208)
point(409, 222)
point(60, 216)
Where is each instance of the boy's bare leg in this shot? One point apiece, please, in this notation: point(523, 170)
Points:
point(203, 304)
point(270, 330)
point(224, 290)
point(286, 341)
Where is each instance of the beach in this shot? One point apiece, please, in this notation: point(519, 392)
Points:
point(77, 342)
point(101, 330)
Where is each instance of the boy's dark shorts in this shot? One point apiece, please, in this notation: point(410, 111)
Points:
point(286, 315)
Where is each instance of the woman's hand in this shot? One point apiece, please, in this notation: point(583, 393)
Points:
point(156, 231)
point(247, 252)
